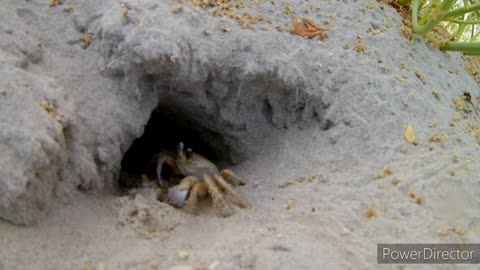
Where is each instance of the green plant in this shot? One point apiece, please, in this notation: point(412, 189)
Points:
point(451, 24)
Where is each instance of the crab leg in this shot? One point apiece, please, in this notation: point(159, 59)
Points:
point(230, 175)
point(199, 189)
point(219, 203)
point(228, 188)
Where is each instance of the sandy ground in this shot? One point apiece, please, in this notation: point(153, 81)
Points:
point(320, 200)
point(306, 214)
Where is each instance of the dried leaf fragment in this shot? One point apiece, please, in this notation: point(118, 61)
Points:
point(458, 230)
point(410, 135)
point(416, 198)
point(125, 12)
point(86, 40)
point(406, 32)
point(155, 229)
point(54, 3)
point(434, 124)
point(288, 9)
point(311, 179)
point(421, 77)
point(385, 173)
point(360, 46)
point(372, 213)
point(70, 8)
point(438, 138)
point(374, 31)
point(52, 110)
point(225, 28)
point(397, 182)
point(404, 66)
point(443, 232)
point(287, 184)
point(307, 28)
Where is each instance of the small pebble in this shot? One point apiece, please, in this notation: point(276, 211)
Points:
point(183, 255)
point(290, 205)
point(345, 231)
point(177, 9)
point(213, 265)
point(182, 267)
point(101, 266)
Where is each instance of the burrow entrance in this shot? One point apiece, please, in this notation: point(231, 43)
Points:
point(164, 130)
point(226, 121)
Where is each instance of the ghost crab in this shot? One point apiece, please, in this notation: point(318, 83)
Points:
point(200, 178)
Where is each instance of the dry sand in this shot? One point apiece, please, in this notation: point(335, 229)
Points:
point(321, 199)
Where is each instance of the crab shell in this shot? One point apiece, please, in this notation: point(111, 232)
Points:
point(201, 177)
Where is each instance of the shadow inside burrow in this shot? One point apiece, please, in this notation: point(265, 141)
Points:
point(167, 127)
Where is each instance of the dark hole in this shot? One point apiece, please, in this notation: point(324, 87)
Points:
point(165, 129)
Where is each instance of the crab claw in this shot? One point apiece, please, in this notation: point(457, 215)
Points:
point(177, 195)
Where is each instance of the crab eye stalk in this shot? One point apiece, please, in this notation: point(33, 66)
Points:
point(180, 153)
point(180, 147)
point(189, 153)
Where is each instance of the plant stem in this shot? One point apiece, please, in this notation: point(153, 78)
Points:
point(434, 15)
point(448, 4)
point(466, 22)
point(428, 26)
point(465, 47)
point(462, 10)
